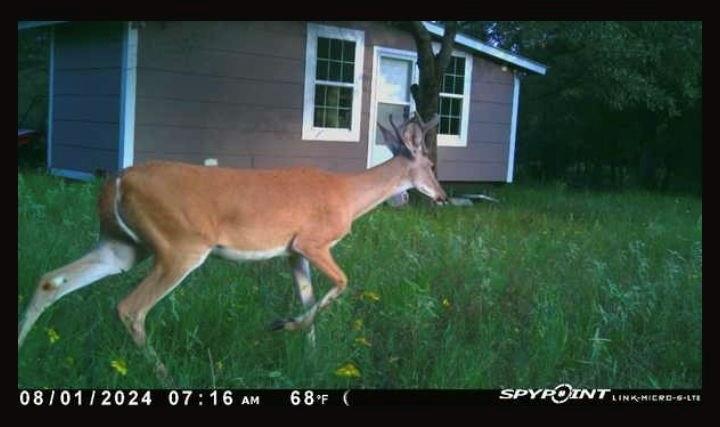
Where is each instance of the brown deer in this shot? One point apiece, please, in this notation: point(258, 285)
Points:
point(183, 213)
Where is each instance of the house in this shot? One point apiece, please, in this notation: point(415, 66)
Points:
point(266, 95)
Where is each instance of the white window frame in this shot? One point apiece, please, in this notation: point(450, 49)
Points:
point(387, 52)
point(462, 139)
point(309, 131)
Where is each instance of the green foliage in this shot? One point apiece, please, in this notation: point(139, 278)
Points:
point(33, 50)
point(548, 286)
point(620, 98)
point(32, 101)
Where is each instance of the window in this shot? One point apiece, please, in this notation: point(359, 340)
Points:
point(455, 101)
point(333, 83)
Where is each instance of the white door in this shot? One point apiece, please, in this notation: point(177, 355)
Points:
point(393, 73)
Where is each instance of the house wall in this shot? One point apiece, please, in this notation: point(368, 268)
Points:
point(486, 156)
point(234, 91)
point(86, 97)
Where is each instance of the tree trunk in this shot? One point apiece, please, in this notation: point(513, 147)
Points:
point(427, 103)
point(432, 68)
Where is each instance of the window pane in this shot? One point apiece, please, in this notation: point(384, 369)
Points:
point(459, 66)
point(348, 73)
point(335, 63)
point(451, 108)
point(345, 117)
point(333, 96)
point(320, 92)
point(454, 126)
point(448, 83)
point(444, 125)
point(334, 71)
point(322, 69)
point(459, 85)
point(450, 115)
point(395, 75)
point(333, 106)
point(348, 51)
point(323, 47)
point(335, 49)
point(444, 108)
point(331, 118)
point(453, 79)
point(319, 120)
point(456, 110)
point(346, 96)
point(336, 60)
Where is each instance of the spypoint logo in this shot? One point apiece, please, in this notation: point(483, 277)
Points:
point(560, 394)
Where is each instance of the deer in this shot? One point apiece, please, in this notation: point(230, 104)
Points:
point(181, 214)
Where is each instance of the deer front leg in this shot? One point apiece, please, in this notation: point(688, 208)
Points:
point(303, 286)
point(323, 260)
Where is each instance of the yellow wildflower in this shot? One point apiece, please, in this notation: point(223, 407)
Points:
point(363, 341)
point(348, 370)
point(446, 303)
point(53, 335)
point(357, 324)
point(371, 296)
point(120, 366)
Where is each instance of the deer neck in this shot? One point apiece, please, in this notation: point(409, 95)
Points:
point(372, 187)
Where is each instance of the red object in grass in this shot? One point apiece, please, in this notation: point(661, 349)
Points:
point(25, 136)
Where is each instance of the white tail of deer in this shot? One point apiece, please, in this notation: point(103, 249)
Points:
point(182, 213)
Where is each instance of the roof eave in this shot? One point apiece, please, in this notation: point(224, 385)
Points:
point(481, 47)
point(26, 25)
point(433, 28)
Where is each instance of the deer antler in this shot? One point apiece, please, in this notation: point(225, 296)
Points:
point(395, 127)
point(419, 119)
point(426, 126)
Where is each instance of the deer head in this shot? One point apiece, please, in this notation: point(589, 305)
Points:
point(408, 141)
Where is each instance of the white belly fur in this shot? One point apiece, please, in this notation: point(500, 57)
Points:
point(236, 255)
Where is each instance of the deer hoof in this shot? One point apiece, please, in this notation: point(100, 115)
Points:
point(281, 324)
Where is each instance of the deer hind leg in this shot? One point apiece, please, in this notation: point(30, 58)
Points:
point(107, 258)
point(167, 273)
point(323, 260)
point(303, 286)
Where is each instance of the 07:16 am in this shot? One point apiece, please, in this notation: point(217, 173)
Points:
point(226, 398)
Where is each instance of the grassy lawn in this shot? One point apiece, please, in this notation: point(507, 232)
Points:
point(548, 286)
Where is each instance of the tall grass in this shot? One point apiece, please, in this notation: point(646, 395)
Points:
point(548, 286)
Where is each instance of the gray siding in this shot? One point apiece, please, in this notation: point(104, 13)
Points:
point(486, 156)
point(86, 99)
point(234, 91)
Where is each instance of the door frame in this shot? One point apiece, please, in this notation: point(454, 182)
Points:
point(387, 52)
